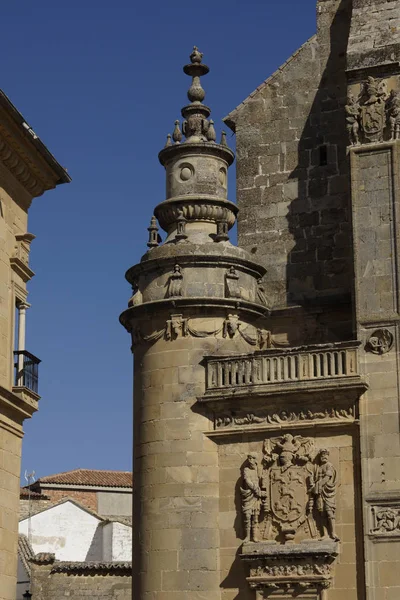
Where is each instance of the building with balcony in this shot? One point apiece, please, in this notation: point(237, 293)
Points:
point(27, 170)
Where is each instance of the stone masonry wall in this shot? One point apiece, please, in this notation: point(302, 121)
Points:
point(46, 585)
point(292, 170)
point(375, 33)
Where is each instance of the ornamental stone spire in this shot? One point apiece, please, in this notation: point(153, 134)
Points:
point(196, 168)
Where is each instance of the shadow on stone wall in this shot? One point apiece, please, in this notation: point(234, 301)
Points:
point(320, 266)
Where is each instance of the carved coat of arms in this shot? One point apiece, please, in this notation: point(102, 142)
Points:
point(373, 115)
point(294, 486)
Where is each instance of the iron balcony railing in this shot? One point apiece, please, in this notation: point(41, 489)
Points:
point(277, 367)
point(26, 370)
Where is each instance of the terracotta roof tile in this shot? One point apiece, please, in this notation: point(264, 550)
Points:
point(24, 494)
point(91, 477)
point(25, 552)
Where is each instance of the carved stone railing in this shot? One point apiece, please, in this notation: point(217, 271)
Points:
point(312, 363)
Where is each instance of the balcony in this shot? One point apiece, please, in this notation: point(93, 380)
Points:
point(283, 370)
point(26, 370)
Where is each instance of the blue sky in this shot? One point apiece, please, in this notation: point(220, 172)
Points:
point(101, 83)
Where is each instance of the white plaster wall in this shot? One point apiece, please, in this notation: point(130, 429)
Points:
point(67, 531)
point(117, 542)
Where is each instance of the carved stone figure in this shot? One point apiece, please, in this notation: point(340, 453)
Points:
point(175, 283)
point(251, 498)
point(352, 109)
point(393, 107)
point(176, 326)
point(380, 342)
point(232, 283)
point(323, 490)
point(230, 326)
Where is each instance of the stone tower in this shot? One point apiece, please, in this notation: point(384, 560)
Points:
point(195, 295)
point(27, 170)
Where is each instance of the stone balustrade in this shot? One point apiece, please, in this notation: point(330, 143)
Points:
point(275, 366)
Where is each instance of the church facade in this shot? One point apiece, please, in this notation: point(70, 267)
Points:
point(266, 413)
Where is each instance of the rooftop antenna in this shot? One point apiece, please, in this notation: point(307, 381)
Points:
point(30, 479)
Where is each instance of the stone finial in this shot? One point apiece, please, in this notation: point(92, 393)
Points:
point(168, 142)
point(177, 133)
point(211, 135)
point(196, 56)
point(153, 233)
point(223, 141)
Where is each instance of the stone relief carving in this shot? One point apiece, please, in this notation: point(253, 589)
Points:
point(373, 109)
point(322, 491)
point(386, 520)
point(301, 567)
point(380, 341)
point(137, 296)
point(345, 414)
point(252, 497)
point(352, 110)
point(261, 295)
point(375, 113)
point(394, 114)
point(175, 283)
point(232, 289)
point(177, 326)
point(293, 487)
point(230, 326)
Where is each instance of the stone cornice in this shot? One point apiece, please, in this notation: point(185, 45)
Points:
point(194, 306)
point(25, 155)
point(21, 269)
point(171, 153)
point(18, 404)
point(221, 261)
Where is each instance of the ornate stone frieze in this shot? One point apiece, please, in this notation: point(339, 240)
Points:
point(385, 520)
point(285, 417)
point(291, 570)
point(212, 210)
point(177, 326)
point(374, 115)
point(380, 341)
point(294, 486)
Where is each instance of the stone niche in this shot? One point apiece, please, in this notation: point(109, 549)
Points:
point(291, 500)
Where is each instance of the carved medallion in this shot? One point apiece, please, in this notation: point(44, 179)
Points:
point(380, 342)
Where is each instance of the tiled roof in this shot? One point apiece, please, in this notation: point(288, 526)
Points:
point(24, 494)
point(25, 552)
point(110, 568)
point(91, 477)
